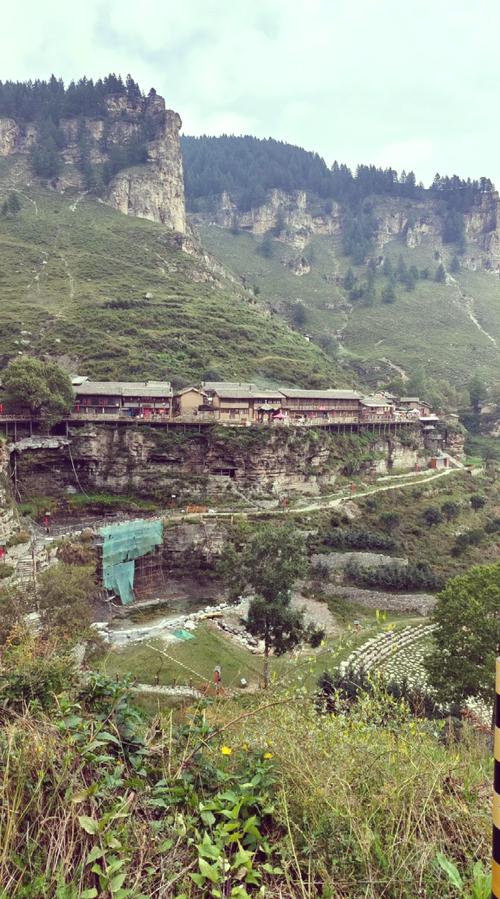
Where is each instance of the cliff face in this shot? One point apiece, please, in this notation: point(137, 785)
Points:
point(8, 518)
point(154, 190)
point(297, 216)
point(194, 467)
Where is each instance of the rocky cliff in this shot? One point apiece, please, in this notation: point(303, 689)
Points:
point(295, 217)
point(153, 190)
point(8, 516)
point(159, 464)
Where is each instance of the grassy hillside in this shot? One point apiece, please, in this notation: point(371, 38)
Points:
point(114, 295)
point(431, 326)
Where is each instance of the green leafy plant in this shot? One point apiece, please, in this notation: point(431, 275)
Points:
point(477, 884)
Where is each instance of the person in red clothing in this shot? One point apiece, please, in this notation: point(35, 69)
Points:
point(217, 678)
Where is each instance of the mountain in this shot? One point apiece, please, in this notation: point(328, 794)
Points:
point(331, 251)
point(112, 294)
point(313, 275)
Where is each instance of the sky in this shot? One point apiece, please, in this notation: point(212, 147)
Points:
point(408, 83)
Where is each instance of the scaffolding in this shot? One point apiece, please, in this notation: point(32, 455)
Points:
point(125, 544)
point(149, 574)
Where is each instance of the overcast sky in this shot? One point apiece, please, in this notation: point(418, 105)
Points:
point(408, 83)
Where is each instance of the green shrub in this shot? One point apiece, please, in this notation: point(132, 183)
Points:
point(357, 539)
point(450, 510)
point(395, 576)
point(432, 516)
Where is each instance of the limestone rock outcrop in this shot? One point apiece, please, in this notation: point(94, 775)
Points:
point(294, 216)
point(8, 516)
point(297, 216)
point(159, 464)
point(153, 190)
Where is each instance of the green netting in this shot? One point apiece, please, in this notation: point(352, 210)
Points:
point(120, 578)
point(122, 544)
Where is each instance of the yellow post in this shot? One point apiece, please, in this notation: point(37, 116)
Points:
point(495, 873)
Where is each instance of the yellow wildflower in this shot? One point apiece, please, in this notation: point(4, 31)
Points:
point(267, 755)
point(226, 750)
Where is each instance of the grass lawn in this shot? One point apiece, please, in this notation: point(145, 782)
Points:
point(121, 300)
point(208, 649)
point(429, 326)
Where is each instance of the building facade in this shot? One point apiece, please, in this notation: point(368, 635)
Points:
point(130, 399)
point(321, 405)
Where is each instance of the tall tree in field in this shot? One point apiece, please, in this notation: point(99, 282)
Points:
point(440, 275)
point(467, 636)
point(41, 388)
point(267, 563)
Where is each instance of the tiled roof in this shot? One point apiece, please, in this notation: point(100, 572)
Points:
point(227, 385)
point(247, 393)
point(320, 394)
point(375, 401)
point(124, 388)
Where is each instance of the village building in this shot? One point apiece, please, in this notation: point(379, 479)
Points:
point(413, 403)
point(321, 405)
point(210, 387)
point(438, 462)
point(132, 399)
point(242, 403)
point(187, 402)
point(377, 406)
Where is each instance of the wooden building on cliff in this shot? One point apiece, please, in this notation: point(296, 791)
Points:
point(242, 403)
point(131, 399)
point(321, 405)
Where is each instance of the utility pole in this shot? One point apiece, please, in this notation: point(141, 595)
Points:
point(495, 873)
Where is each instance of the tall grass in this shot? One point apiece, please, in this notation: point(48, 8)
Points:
point(97, 801)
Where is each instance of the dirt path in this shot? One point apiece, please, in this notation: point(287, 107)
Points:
point(25, 197)
point(74, 206)
point(71, 280)
point(332, 501)
point(397, 368)
point(465, 302)
point(335, 501)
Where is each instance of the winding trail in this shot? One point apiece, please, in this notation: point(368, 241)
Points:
point(74, 206)
point(465, 303)
point(25, 196)
point(397, 368)
point(334, 500)
point(71, 279)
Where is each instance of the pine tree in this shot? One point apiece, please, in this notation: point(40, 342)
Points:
point(13, 203)
point(349, 280)
point(401, 270)
point(389, 293)
point(410, 281)
point(440, 275)
point(387, 267)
